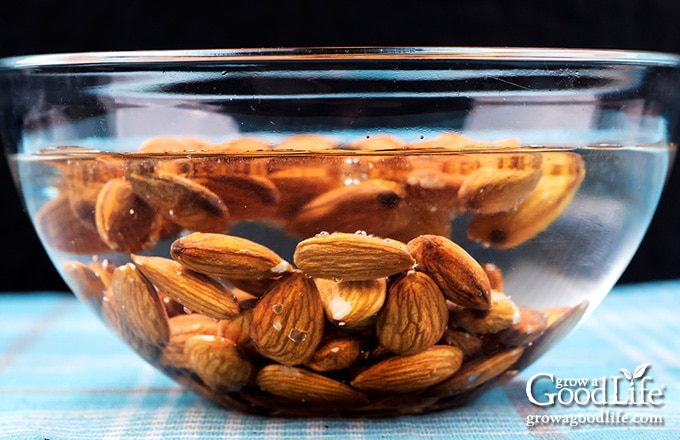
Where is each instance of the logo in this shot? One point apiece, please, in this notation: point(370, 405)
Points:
point(628, 389)
point(609, 394)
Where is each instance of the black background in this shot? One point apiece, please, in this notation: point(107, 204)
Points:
point(31, 27)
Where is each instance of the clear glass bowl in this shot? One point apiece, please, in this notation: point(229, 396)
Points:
point(341, 231)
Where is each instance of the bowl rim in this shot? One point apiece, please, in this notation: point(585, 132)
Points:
point(460, 53)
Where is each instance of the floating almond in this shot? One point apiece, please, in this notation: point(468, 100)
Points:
point(306, 142)
point(227, 256)
point(180, 200)
point(491, 190)
point(197, 292)
point(166, 144)
point(352, 305)
point(247, 196)
point(60, 229)
point(299, 385)
point(561, 178)
point(218, 362)
point(375, 206)
point(83, 180)
point(414, 316)
point(298, 184)
point(287, 323)
point(459, 276)
point(406, 374)
point(124, 221)
point(351, 257)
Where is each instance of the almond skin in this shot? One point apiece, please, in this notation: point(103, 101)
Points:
point(459, 276)
point(288, 321)
point(351, 257)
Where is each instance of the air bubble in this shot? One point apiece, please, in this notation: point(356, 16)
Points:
point(297, 336)
point(277, 308)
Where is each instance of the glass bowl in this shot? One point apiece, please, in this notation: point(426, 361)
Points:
point(341, 231)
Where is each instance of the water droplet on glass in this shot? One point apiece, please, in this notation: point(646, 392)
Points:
point(297, 335)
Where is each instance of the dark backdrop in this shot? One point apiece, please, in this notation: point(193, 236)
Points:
point(32, 26)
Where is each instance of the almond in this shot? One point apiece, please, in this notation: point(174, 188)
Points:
point(227, 256)
point(298, 184)
point(406, 374)
point(352, 305)
point(236, 329)
point(84, 282)
point(195, 291)
point(299, 385)
point(142, 311)
point(287, 323)
point(335, 354)
point(459, 276)
point(414, 316)
point(491, 190)
point(247, 196)
point(351, 257)
point(124, 221)
point(531, 325)
point(218, 362)
point(471, 345)
point(375, 206)
point(179, 199)
point(562, 174)
point(476, 373)
point(83, 180)
point(502, 314)
point(495, 275)
point(60, 229)
point(183, 327)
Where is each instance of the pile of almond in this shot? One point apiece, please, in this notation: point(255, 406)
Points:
point(378, 312)
point(356, 325)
